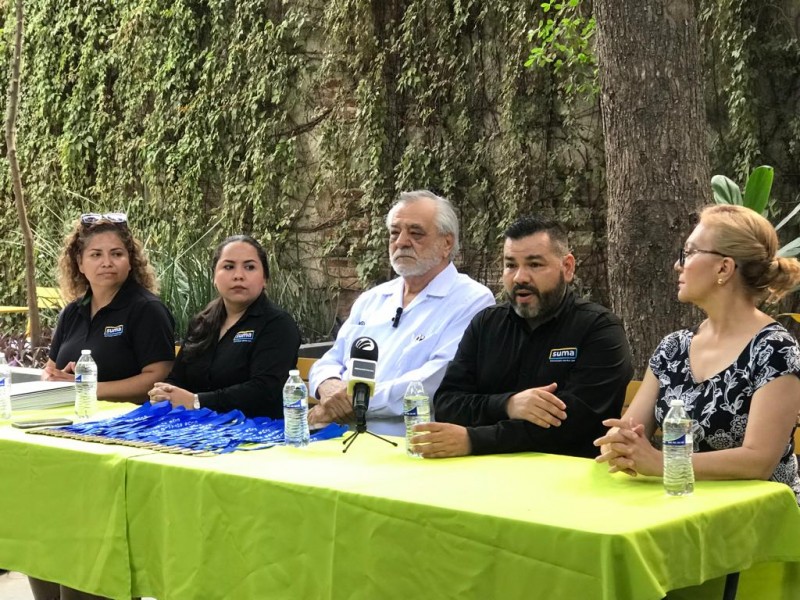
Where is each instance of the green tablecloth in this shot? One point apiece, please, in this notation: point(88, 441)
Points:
point(63, 508)
point(373, 523)
point(313, 523)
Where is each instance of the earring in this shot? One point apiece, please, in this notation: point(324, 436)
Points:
point(719, 281)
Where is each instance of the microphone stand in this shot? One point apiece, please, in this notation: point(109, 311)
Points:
point(361, 426)
point(348, 441)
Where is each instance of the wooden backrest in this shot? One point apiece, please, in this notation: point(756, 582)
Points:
point(304, 366)
point(797, 436)
point(630, 392)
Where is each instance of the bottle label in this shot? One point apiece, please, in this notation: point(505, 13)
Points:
point(678, 441)
point(293, 404)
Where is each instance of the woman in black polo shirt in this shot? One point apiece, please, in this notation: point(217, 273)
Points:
point(114, 311)
point(239, 349)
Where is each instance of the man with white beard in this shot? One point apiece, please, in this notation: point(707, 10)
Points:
point(417, 319)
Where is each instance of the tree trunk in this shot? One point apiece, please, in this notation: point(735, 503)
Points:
point(16, 180)
point(656, 158)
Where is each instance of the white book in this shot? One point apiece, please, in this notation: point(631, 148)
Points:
point(41, 394)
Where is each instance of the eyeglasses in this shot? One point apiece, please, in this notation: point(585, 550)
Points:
point(692, 251)
point(93, 218)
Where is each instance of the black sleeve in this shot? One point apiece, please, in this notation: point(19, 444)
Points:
point(594, 390)
point(58, 335)
point(154, 333)
point(177, 376)
point(457, 400)
point(274, 355)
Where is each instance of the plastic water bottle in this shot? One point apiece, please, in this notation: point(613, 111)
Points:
point(416, 409)
point(5, 388)
point(678, 446)
point(295, 411)
point(85, 385)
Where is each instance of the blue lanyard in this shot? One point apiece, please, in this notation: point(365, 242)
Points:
point(162, 428)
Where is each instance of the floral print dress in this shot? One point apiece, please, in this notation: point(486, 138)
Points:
point(720, 405)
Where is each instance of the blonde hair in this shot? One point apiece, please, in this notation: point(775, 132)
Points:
point(73, 283)
point(751, 241)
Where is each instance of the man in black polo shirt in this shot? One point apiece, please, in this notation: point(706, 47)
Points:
point(537, 373)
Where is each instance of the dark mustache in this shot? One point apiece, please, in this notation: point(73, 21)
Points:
point(528, 288)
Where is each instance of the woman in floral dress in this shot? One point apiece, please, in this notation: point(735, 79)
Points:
point(737, 372)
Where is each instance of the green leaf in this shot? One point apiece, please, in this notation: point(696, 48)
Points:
point(759, 184)
point(725, 191)
point(790, 249)
point(788, 217)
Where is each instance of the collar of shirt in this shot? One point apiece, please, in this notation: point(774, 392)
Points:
point(439, 287)
point(120, 300)
point(257, 308)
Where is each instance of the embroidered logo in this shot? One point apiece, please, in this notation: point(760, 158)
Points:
point(113, 330)
point(244, 336)
point(563, 354)
point(419, 337)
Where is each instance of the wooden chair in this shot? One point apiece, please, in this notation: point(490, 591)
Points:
point(630, 392)
point(304, 366)
point(797, 436)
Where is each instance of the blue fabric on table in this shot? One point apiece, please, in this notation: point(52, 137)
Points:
point(163, 428)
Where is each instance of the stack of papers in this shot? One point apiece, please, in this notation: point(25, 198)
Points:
point(41, 394)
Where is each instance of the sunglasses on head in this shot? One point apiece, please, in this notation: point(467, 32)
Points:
point(94, 218)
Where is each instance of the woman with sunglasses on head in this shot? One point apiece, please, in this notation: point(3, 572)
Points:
point(736, 372)
point(238, 351)
point(113, 312)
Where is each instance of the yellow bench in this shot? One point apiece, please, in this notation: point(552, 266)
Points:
point(46, 297)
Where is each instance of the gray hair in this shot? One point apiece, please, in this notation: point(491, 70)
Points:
point(446, 218)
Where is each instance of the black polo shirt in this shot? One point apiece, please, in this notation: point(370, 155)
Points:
point(248, 367)
point(582, 348)
point(134, 330)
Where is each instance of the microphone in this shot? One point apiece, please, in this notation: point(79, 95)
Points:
point(362, 366)
point(396, 318)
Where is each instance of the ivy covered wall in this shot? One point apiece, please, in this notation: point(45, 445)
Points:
point(300, 121)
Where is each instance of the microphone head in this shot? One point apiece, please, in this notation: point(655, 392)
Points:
point(364, 348)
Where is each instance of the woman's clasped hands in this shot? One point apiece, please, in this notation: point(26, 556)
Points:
point(626, 449)
point(177, 396)
point(52, 373)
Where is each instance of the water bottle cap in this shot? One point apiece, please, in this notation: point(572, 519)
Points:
point(83, 352)
point(294, 373)
point(676, 402)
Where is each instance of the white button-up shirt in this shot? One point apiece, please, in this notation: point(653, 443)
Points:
point(419, 348)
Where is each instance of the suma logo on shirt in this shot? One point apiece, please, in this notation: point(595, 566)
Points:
point(113, 330)
point(244, 336)
point(563, 354)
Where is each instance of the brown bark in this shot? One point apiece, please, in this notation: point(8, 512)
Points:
point(16, 179)
point(656, 158)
